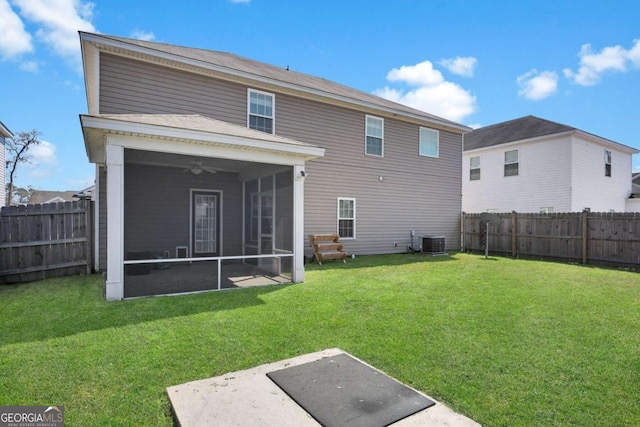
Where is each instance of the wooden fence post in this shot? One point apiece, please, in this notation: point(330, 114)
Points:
point(462, 235)
point(514, 234)
point(584, 236)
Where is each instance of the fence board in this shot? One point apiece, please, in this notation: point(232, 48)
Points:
point(40, 241)
point(608, 238)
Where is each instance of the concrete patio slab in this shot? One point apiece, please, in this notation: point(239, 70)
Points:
point(250, 398)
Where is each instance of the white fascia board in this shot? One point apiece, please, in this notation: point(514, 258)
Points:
point(522, 141)
point(119, 126)
point(243, 74)
point(573, 132)
point(4, 131)
point(606, 142)
point(91, 69)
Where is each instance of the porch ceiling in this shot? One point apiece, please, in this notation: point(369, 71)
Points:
point(195, 129)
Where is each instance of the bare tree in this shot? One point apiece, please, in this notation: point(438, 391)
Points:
point(17, 149)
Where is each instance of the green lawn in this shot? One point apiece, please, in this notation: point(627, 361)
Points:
point(505, 342)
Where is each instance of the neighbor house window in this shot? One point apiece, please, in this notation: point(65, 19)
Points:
point(546, 210)
point(429, 142)
point(607, 163)
point(474, 168)
point(261, 111)
point(511, 163)
point(374, 144)
point(347, 218)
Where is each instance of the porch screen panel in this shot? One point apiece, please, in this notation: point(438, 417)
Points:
point(206, 216)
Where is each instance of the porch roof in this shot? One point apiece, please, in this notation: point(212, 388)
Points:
point(192, 128)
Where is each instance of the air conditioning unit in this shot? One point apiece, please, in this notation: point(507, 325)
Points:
point(434, 245)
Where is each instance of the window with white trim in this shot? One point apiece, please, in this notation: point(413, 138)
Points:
point(374, 141)
point(511, 163)
point(607, 163)
point(260, 110)
point(429, 142)
point(546, 210)
point(346, 218)
point(474, 168)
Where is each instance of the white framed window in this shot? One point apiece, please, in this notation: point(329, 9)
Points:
point(347, 218)
point(607, 163)
point(511, 163)
point(261, 110)
point(474, 168)
point(429, 142)
point(374, 140)
point(546, 210)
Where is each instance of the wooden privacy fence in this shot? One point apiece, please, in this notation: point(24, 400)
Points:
point(608, 238)
point(48, 240)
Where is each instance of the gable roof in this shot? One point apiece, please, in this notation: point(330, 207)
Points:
point(229, 64)
point(512, 130)
point(526, 128)
point(44, 196)
point(191, 127)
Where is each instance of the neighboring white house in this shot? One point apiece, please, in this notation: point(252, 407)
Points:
point(535, 165)
point(4, 133)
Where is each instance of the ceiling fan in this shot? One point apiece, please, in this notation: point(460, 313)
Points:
point(197, 168)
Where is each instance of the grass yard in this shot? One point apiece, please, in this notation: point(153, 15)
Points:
point(505, 342)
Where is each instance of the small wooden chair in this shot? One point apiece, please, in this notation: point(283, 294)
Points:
point(327, 246)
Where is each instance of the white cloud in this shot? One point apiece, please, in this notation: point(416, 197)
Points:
point(461, 66)
point(30, 66)
point(430, 92)
point(634, 54)
point(143, 35)
point(58, 24)
point(594, 65)
point(537, 86)
point(14, 39)
point(43, 154)
point(417, 75)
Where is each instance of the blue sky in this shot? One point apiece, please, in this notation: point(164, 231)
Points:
point(475, 62)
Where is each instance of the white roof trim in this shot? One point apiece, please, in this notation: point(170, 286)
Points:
point(110, 125)
point(4, 131)
point(577, 132)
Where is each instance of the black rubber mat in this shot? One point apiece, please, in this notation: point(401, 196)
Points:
point(341, 391)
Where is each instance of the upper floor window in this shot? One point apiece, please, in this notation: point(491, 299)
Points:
point(374, 144)
point(429, 142)
point(347, 218)
point(511, 163)
point(474, 168)
point(261, 111)
point(607, 162)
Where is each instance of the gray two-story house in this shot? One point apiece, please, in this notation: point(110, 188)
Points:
point(209, 164)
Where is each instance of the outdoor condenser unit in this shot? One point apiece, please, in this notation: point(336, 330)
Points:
point(434, 245)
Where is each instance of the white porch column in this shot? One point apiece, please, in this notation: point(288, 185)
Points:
point(115, 223)
point(298, 224)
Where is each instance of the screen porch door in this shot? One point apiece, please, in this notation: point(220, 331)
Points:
point(205, 223)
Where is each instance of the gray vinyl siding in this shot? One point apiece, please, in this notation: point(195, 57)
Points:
point(157, 208)
point(102, 218)
point(133, 87)
point(417, 193)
